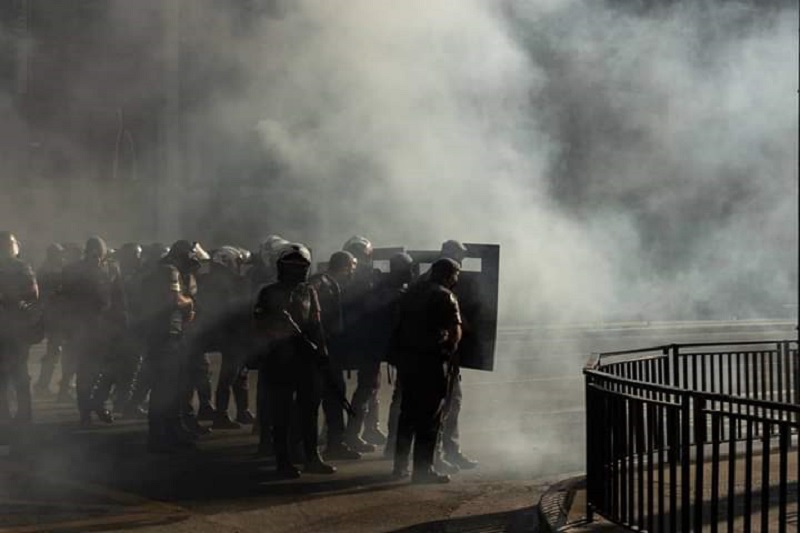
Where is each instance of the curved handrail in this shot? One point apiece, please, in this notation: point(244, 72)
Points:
point(670, 408)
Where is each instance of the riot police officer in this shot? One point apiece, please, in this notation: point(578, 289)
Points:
point(224, 303)
point(49, 277)
point(428, 333)
point(131, 346)
point(169, 308)
point(363, 432)
point(264, 272)
point(449, 455)
point(19, 291)
point(95, 297)
point(141, 382)
point(385, 309)
point(329, 286)
point(287, 315)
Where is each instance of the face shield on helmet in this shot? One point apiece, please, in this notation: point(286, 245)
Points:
point(246, 256)
point(9, 245)
point(270, 249)
point(361, 248)
point(96, 249)
point(129, 256)
point(228, 257)
point(294, 263)
point(187, 256)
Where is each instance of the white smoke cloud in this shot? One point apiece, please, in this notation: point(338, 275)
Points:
point(632, 162)
point(623, 159)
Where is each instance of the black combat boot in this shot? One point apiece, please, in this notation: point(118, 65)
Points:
point(317, 466)
point(429, 477)
point(223, 421)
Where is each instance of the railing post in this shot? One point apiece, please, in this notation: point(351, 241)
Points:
point(676, 372)
point(591, 453)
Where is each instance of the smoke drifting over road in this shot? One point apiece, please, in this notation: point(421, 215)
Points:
point(632, 162)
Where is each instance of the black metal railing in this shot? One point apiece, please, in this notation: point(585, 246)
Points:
point(693, 437)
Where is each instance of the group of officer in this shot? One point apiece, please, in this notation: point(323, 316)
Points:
point(134, 327)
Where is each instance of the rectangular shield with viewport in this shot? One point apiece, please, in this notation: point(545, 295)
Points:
point(380, 260)
point(477, 293)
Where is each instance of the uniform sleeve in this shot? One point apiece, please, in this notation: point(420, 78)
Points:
point(174, 280)
point(450, 312)
point(29, 288)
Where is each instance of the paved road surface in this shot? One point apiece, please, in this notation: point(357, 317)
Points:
point(524, 422)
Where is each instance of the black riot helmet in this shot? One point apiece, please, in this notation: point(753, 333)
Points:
point(153, 253)
point(96, 249)
point(187, 256)
point(9, 245)
point(54, 254)
point(445, 271)
point(129, 256)
point(342, 261)
point(454, 250)
point(361, 248)
point(401, 268)
point(342, 265)
point(270, 249)
point(228, 257)
point(294, 263)
point(72, 252)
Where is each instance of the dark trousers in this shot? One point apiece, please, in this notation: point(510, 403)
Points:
point(94, 379)
point(449, 440)
point(332, 405)
point(232, 377)
point(365, 399)
point(394, 414)
point(297, 396)
point(420, 418)
point(14, 373)
point(50, 358)
point(126, 370)
point(167, 365)
point(198, 377)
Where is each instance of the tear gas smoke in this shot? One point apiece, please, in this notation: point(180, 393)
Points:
point(634, 163)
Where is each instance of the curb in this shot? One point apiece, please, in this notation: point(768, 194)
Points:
point(555, 503)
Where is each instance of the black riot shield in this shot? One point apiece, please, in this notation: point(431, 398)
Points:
point(477, 291)
point(380, 260)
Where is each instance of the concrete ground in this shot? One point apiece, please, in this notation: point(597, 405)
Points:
point(524, 422)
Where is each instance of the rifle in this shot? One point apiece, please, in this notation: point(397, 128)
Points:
point(330, 381)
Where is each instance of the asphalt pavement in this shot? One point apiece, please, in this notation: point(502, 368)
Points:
point(523, 422)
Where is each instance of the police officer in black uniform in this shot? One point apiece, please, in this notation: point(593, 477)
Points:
point(428, 333)
point(363, 432)
point(287, 316)
point(49, 277)
point(130, 349)
point(264, 272)
point(137, 288)
point(224, 302)
point(19, 291)
point(169, 291)
point(385, 305)
point(95, 297)
point(329, 286)
point(449, 455)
